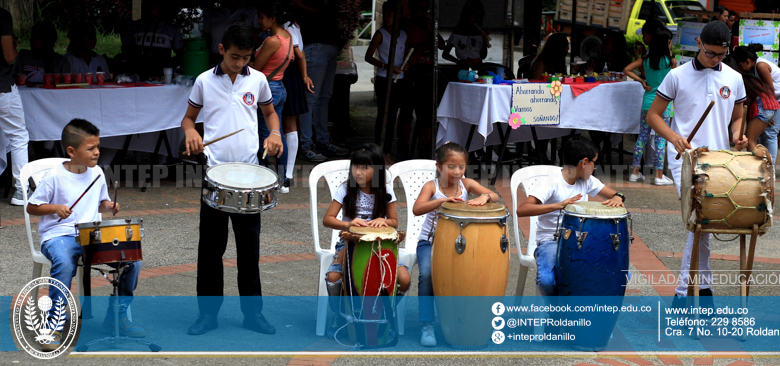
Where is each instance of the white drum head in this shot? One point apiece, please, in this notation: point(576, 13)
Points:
point(242, 175)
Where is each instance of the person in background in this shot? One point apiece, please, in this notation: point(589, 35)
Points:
point(614, 57)
point(80, 55)
point(551, 60)
point(40, 58)
point(648, 29)
point(723, 15)
point(468, 39)
point(220, 19)
point(732, 21)
point(319, 26)
point(12, 116)
point(148, 43)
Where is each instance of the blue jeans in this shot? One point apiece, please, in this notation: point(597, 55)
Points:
point(545, 254)
point(769, 137)
point(425, 284)
point(279, 94)
point(321, 67)
point(64, 253)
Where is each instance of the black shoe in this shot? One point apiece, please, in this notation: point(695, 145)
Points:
point(204, 324)
point(258, 324)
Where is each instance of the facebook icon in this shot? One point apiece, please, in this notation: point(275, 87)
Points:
point(498, 309)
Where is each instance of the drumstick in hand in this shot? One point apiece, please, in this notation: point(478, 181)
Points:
point(82, 195)
point(404, 63)
point(223, 137)
point(744, 122)
point(701, 120)
point(116, 184)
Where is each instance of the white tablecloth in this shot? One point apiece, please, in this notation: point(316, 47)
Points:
point(614, 107)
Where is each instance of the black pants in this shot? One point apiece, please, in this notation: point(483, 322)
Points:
point(211, 248)
point(380, 88)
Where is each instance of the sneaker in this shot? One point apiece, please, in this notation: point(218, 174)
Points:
point(126, 328)
point(333, 149)
point(285, 188)
point(636, 177)
point(428, 338)
point(663, 181)
point(311, 154)
point(18, 199)
point(53, 345)
point(335, 324)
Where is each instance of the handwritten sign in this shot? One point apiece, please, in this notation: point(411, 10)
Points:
point(764, 32)
point(535, 104)
point(687, 33)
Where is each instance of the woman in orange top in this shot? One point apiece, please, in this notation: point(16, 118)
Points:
point(272, 58)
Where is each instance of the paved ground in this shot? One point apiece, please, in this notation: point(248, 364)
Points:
point(288, 266)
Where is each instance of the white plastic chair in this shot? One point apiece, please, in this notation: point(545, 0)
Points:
point(36, 170)
point(413, 174)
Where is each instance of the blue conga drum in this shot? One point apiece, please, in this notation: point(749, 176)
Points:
point(592, 260)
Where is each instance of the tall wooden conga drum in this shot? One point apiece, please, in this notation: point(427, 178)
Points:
point(470, 258)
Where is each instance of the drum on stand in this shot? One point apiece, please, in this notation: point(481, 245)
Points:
point(111, 241)
point(240, 188)
point(592, 260)
point(370, 284)
point(470, 258)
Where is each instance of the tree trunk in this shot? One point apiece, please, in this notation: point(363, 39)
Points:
point(22, 12)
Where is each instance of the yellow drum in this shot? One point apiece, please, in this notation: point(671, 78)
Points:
point(470, 258)
point(111, 241)
point(724, 189)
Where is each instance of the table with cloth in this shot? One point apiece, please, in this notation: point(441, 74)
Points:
point(470, 109)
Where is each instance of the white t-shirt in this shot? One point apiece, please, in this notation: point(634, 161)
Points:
point(693, 86)
point(384, 51)
point(295, 32)
point(61, 187)
point(97, 64)
point(555, 190)
point(775, 74)
point(466, 46)
point(227, 107)
point(364, 207)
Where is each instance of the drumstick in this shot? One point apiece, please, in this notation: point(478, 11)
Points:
point(116, 184)
point(404, 63)
point(265, 152)
point(82, 195)
point(220, 138)
point(701, 120)
point(744, 122)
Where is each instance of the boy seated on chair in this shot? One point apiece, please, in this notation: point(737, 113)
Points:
point(553, 194)
point(54, 196)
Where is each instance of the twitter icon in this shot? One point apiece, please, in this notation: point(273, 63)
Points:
point(498, 323)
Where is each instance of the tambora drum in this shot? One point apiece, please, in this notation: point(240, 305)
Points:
point(592, 260)
point(470, 258)
point(724, 189)
point(240, 188)
point(111, 241)
point(370, 286)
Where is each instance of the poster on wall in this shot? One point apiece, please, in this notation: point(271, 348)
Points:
point(769, 56)
point(764, 32)
point(535, 105)
point(687, 33)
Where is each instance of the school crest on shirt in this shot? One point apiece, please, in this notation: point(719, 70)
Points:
point(725, 92)
point(249, 98)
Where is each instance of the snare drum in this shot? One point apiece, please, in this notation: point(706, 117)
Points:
point(470, 258)
point(724, 189)
point(240, 188)
point(111, 241)
point(370, 283)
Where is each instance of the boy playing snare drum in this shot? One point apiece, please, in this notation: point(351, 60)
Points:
point(53, 199)
point(229, 96)
point(558, 190)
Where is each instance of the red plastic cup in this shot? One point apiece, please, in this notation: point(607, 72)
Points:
point(55, 78)
point(88, 78)
point(47, 79)
point(101, 77)
point(78, 78)
point(21, 79)
point(67, 78)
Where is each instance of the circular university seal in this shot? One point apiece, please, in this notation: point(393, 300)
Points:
point(34, 316)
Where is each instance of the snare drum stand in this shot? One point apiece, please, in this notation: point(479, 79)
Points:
point(746, 257)
point(116, 338)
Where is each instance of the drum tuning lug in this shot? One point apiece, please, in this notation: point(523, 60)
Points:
point(129, 233)
point(615, 240)
point(581, 235)
point(96, 237)
point(460, 244)
point(504, 243)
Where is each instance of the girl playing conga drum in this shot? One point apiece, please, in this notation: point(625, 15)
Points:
point(450, 186)
point(365, 199)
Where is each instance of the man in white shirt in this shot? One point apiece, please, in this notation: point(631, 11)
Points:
point(694, 85)
point(81, 57)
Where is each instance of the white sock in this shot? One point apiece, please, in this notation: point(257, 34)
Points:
point(292, 152)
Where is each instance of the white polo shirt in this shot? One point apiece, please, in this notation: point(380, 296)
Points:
point(227, 107)
point(692, 87)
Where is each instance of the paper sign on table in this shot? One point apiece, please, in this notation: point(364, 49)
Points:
point(535, 105)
